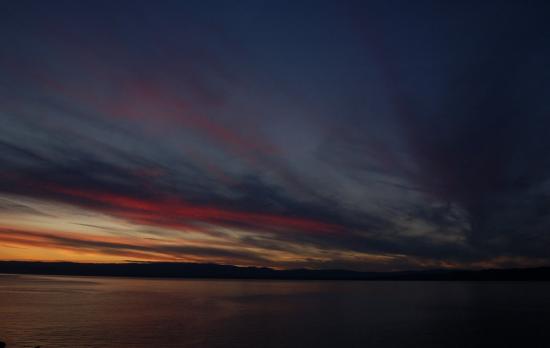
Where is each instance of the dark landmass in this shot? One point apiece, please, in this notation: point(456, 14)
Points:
point(194, 270)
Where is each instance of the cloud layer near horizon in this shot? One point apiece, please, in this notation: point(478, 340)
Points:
point(347, 135)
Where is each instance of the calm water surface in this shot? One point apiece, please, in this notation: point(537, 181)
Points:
point(113, 312)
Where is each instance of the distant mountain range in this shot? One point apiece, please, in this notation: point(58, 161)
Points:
point(197, 270)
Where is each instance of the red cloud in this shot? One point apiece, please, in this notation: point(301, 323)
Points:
point(178, 213)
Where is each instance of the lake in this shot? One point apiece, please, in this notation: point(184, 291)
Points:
point(127, 312)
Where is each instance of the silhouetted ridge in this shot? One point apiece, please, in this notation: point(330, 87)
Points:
point(196, 270)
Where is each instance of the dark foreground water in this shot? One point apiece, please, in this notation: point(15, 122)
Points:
point(112, 312)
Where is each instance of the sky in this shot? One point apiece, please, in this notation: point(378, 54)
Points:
point(366, 135)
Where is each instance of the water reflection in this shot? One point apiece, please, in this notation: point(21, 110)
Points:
point(107, 312)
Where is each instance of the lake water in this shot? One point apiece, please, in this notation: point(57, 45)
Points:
point(120, 312)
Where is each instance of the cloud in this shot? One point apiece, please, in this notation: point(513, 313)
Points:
point(474, 159)
point(380, 142)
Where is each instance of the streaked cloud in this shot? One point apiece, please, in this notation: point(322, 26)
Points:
point(345, 134)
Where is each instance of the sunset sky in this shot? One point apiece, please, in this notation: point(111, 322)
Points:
point(368, 135)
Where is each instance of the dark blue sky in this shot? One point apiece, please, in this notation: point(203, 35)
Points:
point(373, 135)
